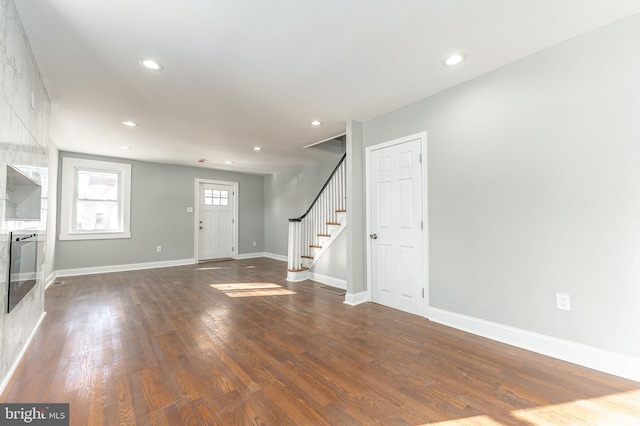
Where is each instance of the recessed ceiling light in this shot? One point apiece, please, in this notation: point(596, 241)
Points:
point(316, 123)
point(454, 59)
point(125, 147)
point(228, 162)
point(129, 123)
point(257, 148)
point(151, 64)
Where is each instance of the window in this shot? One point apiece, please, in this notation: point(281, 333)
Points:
point(216, 197)
point(95, 199)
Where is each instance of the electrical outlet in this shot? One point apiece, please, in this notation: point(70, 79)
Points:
point(563, 301)
point(159, 249)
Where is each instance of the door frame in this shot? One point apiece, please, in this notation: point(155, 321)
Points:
point(234, 206)
point(425, 212)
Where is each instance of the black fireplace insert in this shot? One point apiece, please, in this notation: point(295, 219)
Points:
point(23, 266)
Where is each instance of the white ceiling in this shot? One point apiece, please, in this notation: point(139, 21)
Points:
point(240, 73)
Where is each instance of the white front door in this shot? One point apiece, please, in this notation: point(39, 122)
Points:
point(398, 265)
point(215, 221)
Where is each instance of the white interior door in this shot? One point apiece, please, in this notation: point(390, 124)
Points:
point(398, 266)
point(215, 221)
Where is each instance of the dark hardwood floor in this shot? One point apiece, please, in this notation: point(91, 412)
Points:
point(166, 347)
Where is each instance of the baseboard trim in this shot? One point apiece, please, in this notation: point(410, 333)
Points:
point(263, 254)
point(50, 280)
point(122, 268)
point(250, 255)
point(16, 363)
point(274, 256)
point(587, 356)
point(149, 265)
point(297, 276)
point(354, 299)
point(327, 280)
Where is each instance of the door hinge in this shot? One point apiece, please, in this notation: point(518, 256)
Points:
point(423, 293)
point(233, 221)
point(422, 224)
point(234, 249)
point(421, 157)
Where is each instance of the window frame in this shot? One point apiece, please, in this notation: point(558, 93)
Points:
point(223, 195)
point(70, 167)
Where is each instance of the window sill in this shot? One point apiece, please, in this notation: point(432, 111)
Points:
point(95, 236)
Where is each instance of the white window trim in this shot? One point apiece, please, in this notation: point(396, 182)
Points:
point(69, 167)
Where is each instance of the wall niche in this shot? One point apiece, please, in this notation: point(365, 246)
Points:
point(24, 196)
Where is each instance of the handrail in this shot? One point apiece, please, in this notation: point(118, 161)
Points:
point(299, 219)
point(325, 212)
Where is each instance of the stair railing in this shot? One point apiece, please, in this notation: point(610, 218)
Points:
point(304, 230)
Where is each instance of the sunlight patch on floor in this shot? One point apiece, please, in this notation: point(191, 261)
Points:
point(610, 410)
point(275, 292)
point(252, 289)
point(244, 286)
point(618, 409)
point(468, 421)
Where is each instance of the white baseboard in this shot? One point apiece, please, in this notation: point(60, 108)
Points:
point(250, 255)
point(16, 363)
point(122, 268)
point(274, 256)
point(576, 353)
point(354, 299)
point(327, 280)
point(263, 254)
point(279, 257)
point(50, 279)
point(139, 266)
point(299, 276)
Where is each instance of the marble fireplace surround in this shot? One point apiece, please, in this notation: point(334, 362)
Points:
point(24, 142)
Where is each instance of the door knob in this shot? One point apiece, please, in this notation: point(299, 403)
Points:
point(373, 236)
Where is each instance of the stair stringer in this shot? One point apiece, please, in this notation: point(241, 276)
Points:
point(297, 276)
point(326, 245)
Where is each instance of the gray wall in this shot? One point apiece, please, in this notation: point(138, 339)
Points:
point(52, 205)
point(289, 194)
point(24, 140)
point(160, 195)
point(534, 188)
point(356, 220)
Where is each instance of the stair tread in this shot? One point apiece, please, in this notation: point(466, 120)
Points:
point(314, 246)
point(341, 211)
point(324, 235)
point(307, 257)
point(333, 223)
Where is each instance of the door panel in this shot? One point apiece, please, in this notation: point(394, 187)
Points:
point(384, 205)
point(215, 234)
point(385, 257)
point(396, 244)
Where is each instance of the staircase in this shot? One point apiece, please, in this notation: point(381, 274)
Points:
point(311, 234)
